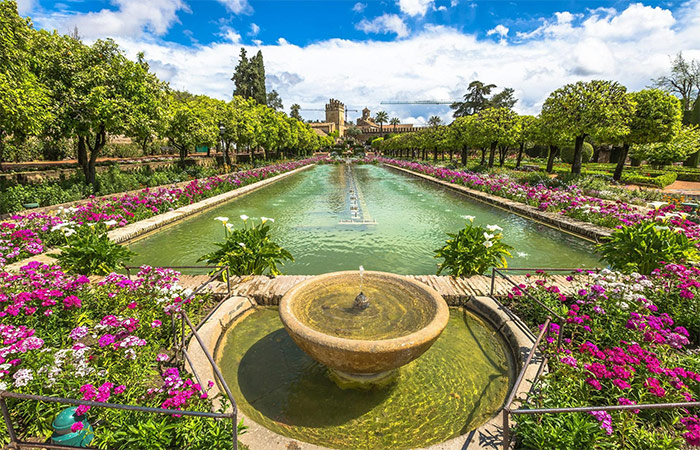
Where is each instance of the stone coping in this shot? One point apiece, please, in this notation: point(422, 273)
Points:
point(563, 223)
point(142, 227)
point(488, 436)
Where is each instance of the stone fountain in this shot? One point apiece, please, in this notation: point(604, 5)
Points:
point(363, 326)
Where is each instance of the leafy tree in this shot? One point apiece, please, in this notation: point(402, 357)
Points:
point(659, 154)
point(543, 134)
point(294, 112)
point(353, 132)
point(504, 99)
point(499, 126)
point(461, 133)
point(257, 74)
point(474, 100)
point(599, 109)
point(656, 118)
point(274, 101)
point(684, 80)
point(23, 100)
point(394, 121)
point(528, 130)
point(192, 122)
point(381, 118)
point(149, 117)
point(242, 76)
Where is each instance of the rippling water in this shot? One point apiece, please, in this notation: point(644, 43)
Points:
point(413, 218)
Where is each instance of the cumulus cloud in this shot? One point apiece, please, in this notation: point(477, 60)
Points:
point(132, 18)
point(386, 23)
point(415, 7)
point(237, 6)
point(254, 30)
point(499, 30)
point(632, 46)
point(359, 7)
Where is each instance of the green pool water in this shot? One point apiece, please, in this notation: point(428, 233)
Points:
point(457, 385)
point(412, 218)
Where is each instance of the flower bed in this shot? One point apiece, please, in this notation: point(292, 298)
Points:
point(108, 341)
point(571, 201)
point(33, 233)
point(625, 342)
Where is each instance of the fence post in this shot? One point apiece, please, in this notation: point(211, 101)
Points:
point(8, 423)
point(506, 430)
point(228, 280)
point(493, 279)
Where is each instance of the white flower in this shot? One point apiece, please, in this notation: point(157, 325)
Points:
point(488, 237)
point(69, 232)
point(3, 386)
point(229, 226)
point(469, 218)
point(244, 217)
point(23, 377)
point(494, 228)
point(657, 205)
point(221, 219)
point(265, 219)
point(523, 255)
point(111, 223)
point(624, 306)
point(488, 244)
point(241, 244)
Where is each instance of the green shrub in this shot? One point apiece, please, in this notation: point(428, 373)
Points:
point(660, 181)
point(473, 250)
point(567, 154)
point(89, 251)
point(248, 250)
point(644, 246)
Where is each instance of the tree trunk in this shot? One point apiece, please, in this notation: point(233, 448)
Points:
point(502, 153)
point(483, 156)
point(578, 149)
point(2, 148)
point(435, 154)
point(553, 150)
point(621, 162)
point(492, 154)
point(100, 141)
point(596, 154)
point(451, 152)
point(82, 155)
point(520, 155)
point(464, 155)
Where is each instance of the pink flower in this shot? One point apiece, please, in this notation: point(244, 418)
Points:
point(77, 426)
point(106, 340)
point(156, 323)
point(162, 357)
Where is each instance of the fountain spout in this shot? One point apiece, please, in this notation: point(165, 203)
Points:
point(361, 302)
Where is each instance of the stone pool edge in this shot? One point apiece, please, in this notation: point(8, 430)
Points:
point(585, 230)
point(138, 229)
point(487, 436)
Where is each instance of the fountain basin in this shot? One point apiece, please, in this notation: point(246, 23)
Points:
point(404, 319)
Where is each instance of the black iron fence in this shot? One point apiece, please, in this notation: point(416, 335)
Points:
point(179, 344)
point(508, 408)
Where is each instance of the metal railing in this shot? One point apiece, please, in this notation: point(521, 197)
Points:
point(179, 344)
point(508, 409)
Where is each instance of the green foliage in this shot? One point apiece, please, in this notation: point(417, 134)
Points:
point(89, 251)
point(567, 153)
point(660, 181)
point(472, 250)
point(644, 246)
point(659, 154)
point(248, 250)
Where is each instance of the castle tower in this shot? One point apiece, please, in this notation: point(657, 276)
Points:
point(335, 113)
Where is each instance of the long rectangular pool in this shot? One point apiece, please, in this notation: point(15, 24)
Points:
point(338, 217)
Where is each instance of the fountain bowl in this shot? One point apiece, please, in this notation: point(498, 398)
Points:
point(357, 358)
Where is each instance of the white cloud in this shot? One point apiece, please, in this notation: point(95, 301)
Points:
point(439, 62)
point(237, 6)
point(387, 23)
point(415, 7)
point(254, 29)
point(359, 7)
point(24, 6)
point(500, 30)
point(133, 19)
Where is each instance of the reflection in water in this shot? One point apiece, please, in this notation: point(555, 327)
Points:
point(413, 218)
point(458, 384)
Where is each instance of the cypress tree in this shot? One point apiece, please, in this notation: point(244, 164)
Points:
point(241, 76)
point(258, 91)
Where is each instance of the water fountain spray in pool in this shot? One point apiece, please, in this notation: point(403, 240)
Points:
point(361, 301)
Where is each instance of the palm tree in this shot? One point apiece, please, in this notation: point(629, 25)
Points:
point(381, 118)
point(434, 121)
point(395, 121)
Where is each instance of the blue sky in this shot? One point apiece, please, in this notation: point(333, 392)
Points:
point(364, 52)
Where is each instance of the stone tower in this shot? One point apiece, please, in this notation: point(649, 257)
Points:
point(335, 113)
